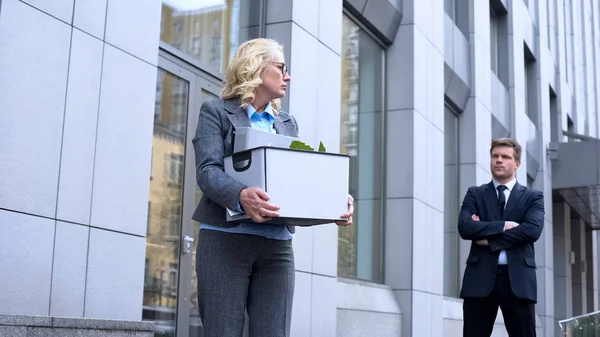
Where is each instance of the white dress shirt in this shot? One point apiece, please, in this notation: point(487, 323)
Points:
point(509, 187)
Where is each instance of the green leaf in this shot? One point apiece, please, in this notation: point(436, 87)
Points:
point(296, 144)
point(322, 147)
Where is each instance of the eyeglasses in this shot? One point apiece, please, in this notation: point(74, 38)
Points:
point(283, 67)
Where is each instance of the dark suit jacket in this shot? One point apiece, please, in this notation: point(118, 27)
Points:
point(212, 142)
point(524, 206)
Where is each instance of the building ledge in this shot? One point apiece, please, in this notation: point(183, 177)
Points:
point(576, 175)
point(23, 325)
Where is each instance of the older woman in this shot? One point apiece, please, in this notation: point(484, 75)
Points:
point(249, 266)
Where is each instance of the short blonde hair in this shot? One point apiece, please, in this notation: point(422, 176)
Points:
point(243, 73)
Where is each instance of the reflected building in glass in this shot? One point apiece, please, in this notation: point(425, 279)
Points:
point(208, 31)
point(165, 200)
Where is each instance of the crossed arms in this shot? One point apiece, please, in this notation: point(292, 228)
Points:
point(501, 235)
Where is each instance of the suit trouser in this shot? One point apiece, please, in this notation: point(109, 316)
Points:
point(239, 273)
point(480, 312)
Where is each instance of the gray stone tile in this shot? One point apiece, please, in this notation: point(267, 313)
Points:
point(55, 332)
point(330, 27)
point(303, 98)
point(26, 248)
point(34, 62)
point(134, 26)
point(400, 146)
point(62, 10)
point(79, 139)
point(13, 331)
point(124, 143)
point(401, 65)
point(68, 275)
point(279, 11)
point(302, 305)
point(305, 14)
point(323, 305)
point(101, 324)
point(399, 242)
point(354, 323)
point(21, 320)
point(282, 33)
point(90, 16)
point(115, 280)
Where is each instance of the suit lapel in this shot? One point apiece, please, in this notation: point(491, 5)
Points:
point(513, 199)
point(236, 114)
point(282, 127)
point(492, 199)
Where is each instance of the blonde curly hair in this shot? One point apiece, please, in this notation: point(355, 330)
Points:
point(243, 73)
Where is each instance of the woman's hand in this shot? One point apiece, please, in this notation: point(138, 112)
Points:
point(347, 215)
point(255, 203)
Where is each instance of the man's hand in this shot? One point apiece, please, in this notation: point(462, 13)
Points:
point(347, 215)
point(483, 242)
point(510, 225)
point(256, 204)
point(507, 225)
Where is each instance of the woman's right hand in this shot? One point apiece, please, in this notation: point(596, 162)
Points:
point(256, 204)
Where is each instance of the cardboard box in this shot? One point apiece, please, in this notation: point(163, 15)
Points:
point(250, 138)
point(311, 188)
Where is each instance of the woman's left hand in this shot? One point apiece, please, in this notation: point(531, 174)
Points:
point(347, 215)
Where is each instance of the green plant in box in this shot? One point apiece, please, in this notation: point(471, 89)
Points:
point(298, 145)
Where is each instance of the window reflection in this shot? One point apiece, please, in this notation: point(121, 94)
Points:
point(165, 203)
point(195, 322)
point(209, 30)
point(452, 201)
point(359, 246)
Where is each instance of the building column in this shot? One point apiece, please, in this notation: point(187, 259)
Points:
point(415, 165)
point(579, 280)
point(597, 270)
point(311, 33)
point(563, 283)
point(475, 123)
point(544, 247)
point(590, 270)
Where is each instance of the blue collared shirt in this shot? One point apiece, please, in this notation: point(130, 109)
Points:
point(263, 121)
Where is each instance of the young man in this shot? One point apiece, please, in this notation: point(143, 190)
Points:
point(502, 219)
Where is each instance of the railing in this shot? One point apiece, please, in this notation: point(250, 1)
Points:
point(587, 325)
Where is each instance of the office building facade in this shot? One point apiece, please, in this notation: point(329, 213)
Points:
point(99, 100)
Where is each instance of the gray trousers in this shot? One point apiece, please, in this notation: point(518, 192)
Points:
point(239, 273)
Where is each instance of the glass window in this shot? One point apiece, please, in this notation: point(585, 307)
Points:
point(359, 246)
point(494, 42)
point(209, 30)
point(458, 11)
point(165, 201)
point(451, 203)
point(530, 86)
point(499, 42)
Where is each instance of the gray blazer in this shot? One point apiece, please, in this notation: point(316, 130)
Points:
point(212, 142)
